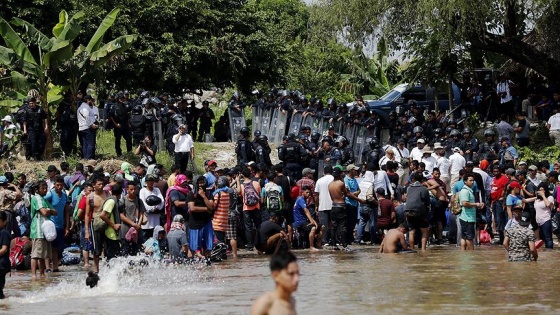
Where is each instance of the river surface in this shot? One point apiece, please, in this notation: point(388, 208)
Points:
point(442, 280)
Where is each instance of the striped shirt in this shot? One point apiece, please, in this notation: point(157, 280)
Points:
point(221, 212)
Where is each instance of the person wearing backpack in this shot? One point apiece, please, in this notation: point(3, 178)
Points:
point(79, 216)
point(9, 195)
point(250, 190)
point(58, 198)
point(272, 198)
point(5, 266)
point(40, 212)
point(110, 214)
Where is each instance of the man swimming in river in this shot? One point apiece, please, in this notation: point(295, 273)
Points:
point(285, 273)
point(394, 241)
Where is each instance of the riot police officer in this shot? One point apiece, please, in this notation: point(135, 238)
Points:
point(107, 108)
point(206, 114)
point(138, 125)
point(470, 144)
point(35, 128)
point(373, 155)
point(490, 148)
point(67, 123)
point(262, 153)
point(292, 153)
point(120, 119)
point(244, 148)
point(453, 141)
point(418, 134)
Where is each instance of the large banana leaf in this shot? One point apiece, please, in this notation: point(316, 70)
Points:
point(68, 29)
point(59, 53)
point(38, 37)
point(112, 48)
point(10, 104)
point(7, 56)
point(14, 42)
point(97, 38)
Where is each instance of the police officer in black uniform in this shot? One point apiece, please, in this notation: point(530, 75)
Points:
point(205, 115)
point(373, 155)
point(490, 148)
point(138, 125)
point(35, 129)
point(67, 124)
point(470, 143)
point(262, 153)
point(292, 153)
point(107, 108)
point(120, 118)
point(244, 148)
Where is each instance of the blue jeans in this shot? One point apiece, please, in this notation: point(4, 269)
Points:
point(88, 143)
point(546, 233)
point(501, 217)
point(366, 217)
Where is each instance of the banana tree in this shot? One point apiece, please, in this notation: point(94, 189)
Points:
point(88, 60)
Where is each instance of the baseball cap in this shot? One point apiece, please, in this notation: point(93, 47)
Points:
point(7, 118)
point(514, 184)
point(456, 149)
point(510, 171)
point(352, 167)
point(88, 97)
point(182, 126)
point(469, 164)
point(533, 168)
point(401, 140)
point(212, 162)
point(307, 171)
point(420, 141)
point(522, 163)
point(3, 180)
point(525, 219)
point(338, 167)
point(336, 171)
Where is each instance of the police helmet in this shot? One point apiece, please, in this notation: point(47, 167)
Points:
point(262, 139)
point(489, 133)
point(418, 129)
point(292, 136)
point(467, 130)
point(137, 109)
point(329, 139)
point(341, 139)
point(257, 133)
point(244, 131)
point(205, 103)
point(236, 95)
point(448, 129)
point(315, 136)
point(331, 101)
point(393, 113)
point(374, 142)
point(454, 133)
point(451, 121)
point(285, 138)
point(437, 130)
point(302, 137)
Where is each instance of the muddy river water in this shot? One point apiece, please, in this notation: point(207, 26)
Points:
point(442, 280)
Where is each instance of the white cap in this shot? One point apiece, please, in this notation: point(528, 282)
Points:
point(7, 118)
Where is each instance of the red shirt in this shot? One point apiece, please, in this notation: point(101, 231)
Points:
point(386, 207)
point(497, 187)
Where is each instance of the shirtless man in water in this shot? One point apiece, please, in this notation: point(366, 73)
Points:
point(338, 191)
point(285, 273)
point(394, 240)
point(98, 199)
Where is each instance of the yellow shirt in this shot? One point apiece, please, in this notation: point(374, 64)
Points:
point(108, 207)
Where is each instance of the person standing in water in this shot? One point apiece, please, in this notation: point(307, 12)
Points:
point(285, 272)
point(4, 252)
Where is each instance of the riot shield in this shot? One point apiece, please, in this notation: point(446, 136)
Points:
point(308, 121)
point(236, 122)
point(278, 126)
point(295, 123)
point(265, 121)
point(368, 135)
point(338, 127)
point(321, 168)
point(359, 144)
point(350, 133)
point(158, 134)
point(256, 119)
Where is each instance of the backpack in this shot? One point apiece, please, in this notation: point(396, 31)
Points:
point(250, 196)
point(455, 206)
point(273, 201)
point(24, 216)
point(98, 225)
point(16, 254)
point(76, 215)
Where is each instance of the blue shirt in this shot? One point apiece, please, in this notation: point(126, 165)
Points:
point(58, 203)
point(210, 179)
point(513, 201)
point(299, 212)
point(352, 186)
point(459, 185)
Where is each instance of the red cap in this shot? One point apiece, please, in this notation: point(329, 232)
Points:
point(212, 162)
point(514, 185)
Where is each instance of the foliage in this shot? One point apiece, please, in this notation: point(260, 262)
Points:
point(532, 156)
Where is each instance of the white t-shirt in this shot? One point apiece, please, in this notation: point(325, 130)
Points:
point(416, 154)
point(554, 122)
point(457, 163)
point(322, 188)
point(184, 143)
point(87, 116)
point(444, 165)
point(542, 212)
point(430, 162)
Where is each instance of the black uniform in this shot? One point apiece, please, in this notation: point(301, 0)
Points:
point(35, 120)
point(244, 151)
point(120, 117)
point(67, 123)
point(292, 153)
point(205, 115)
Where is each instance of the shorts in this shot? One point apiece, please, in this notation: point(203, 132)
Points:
point(467, 230)
point(306, 229)
point(231, 232)
point(58, 243)
point(97, 240)
point(439, 212)
point(112, 247)
point(202, 238)
point(85, 244)
point(416, 219)
point(41, 249)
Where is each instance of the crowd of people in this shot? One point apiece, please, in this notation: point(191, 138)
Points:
point(430, 183)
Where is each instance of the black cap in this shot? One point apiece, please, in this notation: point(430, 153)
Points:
point(88, 97)
point(469, 164)
point(525, 219)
